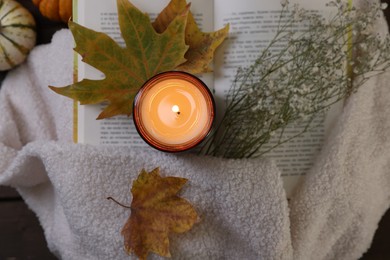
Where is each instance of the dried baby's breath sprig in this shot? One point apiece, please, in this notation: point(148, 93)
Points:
point(319, 66)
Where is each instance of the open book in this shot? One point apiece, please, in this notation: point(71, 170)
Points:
point(252, 25)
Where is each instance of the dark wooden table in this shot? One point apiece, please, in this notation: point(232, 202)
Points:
point(21, 236)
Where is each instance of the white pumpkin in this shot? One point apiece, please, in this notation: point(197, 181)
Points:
point(17, 34)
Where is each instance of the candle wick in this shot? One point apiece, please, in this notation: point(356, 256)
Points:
point(176, 109)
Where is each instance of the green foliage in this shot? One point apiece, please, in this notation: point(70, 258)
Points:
point(317, 68)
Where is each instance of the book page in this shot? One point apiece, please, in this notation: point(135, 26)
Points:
point(252, 26)
point(101, 15)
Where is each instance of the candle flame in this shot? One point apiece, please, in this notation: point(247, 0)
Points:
point(176, 109)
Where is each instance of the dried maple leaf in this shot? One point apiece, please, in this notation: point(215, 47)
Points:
point(156, 210)
point(146, 54)
point(201, 45)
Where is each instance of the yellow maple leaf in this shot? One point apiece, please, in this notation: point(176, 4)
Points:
point(201, 45)
point(126, 69)
point(156, 211)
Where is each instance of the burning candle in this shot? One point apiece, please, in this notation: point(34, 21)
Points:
point(173, 111)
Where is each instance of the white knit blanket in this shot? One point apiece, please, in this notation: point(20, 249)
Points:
point(243, 206)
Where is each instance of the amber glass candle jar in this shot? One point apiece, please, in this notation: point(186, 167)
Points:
point(174, 111)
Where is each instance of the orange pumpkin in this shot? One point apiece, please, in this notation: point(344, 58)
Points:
point(56, 10)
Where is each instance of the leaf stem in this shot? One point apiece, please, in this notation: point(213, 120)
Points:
point(117, 202)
